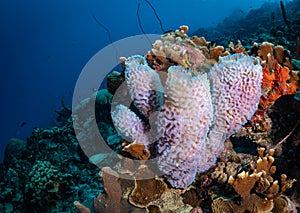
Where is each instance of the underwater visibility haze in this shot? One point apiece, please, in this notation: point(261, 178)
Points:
point(150, 106)
point(46, 44)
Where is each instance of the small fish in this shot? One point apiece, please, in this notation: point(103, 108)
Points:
point(212, 44)
point(23, 123)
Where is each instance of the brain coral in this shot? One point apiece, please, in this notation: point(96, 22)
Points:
point(196, 113)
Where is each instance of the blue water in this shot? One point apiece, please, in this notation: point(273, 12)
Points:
point(45, 44)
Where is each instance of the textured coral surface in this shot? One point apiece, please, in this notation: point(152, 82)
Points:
point(193, 104)
point(189, 97)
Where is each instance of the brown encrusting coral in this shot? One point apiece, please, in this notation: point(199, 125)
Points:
point(113, 190)
point(239, 182)
point(146, 190)
point(48, 171)
point(141, 195)
point(258, 191)
point(253, 204)
point(216, 52)
point(256, 187)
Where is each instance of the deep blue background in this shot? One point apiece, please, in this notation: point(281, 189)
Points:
point(45, 44)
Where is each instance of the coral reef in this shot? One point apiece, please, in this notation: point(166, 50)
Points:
point(176, 48)
point(114, 192)
point(278, 80)
point(257, 188)
point(185, 148)
point(114, 80)
point(45, 182)
point(254, 190)
point(259, 128)
point(270, 57)
point(139, 196)
point(146, 191)
point(49, 171)
point(44, 173)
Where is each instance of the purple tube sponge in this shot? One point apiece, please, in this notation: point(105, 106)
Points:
point(144, 85)
point(195, 117)
point(236, 90)
point(128, 125)
point(183, 123)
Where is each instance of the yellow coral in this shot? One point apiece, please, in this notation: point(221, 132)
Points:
point(184, 28)
point(250, 184)
point(265, 49)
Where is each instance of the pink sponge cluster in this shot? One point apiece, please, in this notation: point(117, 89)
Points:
point(128, 125)
point(236, 90)
point(183, 124)
point(143, 84)
point(196, 114)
